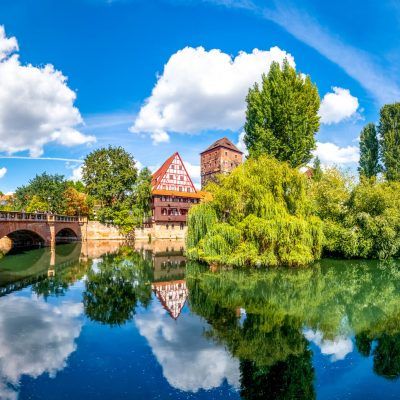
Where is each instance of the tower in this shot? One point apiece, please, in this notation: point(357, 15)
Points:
point(220, 158)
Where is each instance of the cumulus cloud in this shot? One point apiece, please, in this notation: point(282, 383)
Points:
point(201, 90)
point(76, 173)
point(189, 361)
point(35, 338)
point(36, 105)
point(3, 171)
point(7, 45)
point(241, 144)
point(331, 154)
point(337, 106)
point(194, 172)
point(337, 349)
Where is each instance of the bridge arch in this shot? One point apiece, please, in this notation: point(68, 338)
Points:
point(67, 234)
point(25, 238)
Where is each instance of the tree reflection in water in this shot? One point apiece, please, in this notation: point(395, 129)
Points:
point(114, 288)
point(336, 299)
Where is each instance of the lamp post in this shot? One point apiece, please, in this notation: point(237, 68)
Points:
point(49, 202)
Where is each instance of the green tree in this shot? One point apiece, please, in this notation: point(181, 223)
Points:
point(109, 175)
point(282, 116)
point(258, 215)
point(47, 188)
point(37, 204)
point(389, 131)
point(369, 152)
point(316, 169)
point(142, 192)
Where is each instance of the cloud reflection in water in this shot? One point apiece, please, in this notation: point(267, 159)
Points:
point(35, 338)
point(189, 361)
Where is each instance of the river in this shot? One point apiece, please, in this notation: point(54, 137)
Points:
point(109, 321)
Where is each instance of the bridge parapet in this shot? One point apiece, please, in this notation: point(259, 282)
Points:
point(13, 216)
point(47, 226)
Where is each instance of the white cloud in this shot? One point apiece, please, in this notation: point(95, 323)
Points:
point(189, 361)
point(337, 349)
point(200, 90)
point(337, 106)
point(241, 144)
point(76, 173)
point(194, 172)
point(35, 338)
point(3, 171)
point(36, 105)
point(330, 153)
point(7, 45)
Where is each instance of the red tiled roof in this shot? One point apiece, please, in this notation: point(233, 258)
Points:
point(224, 142)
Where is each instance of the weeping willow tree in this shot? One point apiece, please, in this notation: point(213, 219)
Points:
point(257, 215)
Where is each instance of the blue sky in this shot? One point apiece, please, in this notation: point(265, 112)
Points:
point(160, 76)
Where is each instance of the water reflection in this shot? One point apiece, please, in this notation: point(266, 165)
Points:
point(35, 338)
point(281, 334)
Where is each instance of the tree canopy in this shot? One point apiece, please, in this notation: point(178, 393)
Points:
point(258, 215)
point(389, 131)
point(109, 175)
point(369, 152)
point(282, 116)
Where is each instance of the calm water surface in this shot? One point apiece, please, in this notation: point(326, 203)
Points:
point(103, 321)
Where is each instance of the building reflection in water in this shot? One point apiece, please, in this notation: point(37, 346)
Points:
point(169, 263)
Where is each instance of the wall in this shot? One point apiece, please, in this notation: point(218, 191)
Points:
point(98, 231)
point(217, 161)
point(159, 231)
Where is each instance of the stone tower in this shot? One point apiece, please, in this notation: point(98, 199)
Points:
point(220, 158)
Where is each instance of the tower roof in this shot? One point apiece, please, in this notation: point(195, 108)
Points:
point(223, 142)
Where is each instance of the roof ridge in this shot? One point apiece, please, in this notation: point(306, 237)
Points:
point(223, 142)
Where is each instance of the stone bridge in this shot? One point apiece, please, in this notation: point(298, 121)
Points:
point(41, 229)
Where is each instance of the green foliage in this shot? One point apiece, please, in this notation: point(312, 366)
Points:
point(360, 220)
point(114, 289)
point(369, 152)
point(389, 131)
point(258, 215)
point(109, 175)
point(48, 191)
point(142, 192)
point(316, 170)
point(37, 204)
point(334, 298)
point(282, 116)
point(52, 193)
point(112, 179)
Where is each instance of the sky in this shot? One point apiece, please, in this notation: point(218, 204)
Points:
point(159, 76)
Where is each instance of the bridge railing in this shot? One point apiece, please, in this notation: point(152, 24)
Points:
point(39, 217)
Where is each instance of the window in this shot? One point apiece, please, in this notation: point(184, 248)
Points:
point(172, 226)
point(167, 226)
point(188, 189)
point(172, 166)
point(171, 177)
point(180, 188)
point(181, 178)
point(180, 167)
point(226, 153)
